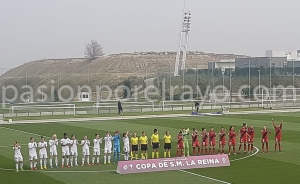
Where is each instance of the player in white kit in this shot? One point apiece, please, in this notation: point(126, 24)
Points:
point(65, 150)
point(85, 143)
point(97, 141)
point(18, 156)
point(126, 147)
point(74, 151)
point(43, 153)
point(32, 153)
point(53, 143)
point(108, 145)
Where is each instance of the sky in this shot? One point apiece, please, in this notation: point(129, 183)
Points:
point(35, 29)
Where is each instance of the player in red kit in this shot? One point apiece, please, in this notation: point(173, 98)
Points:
point(204, 136)
point(212, 141)
point(250, 138)
point(222, 140)
point(195, 141)
point(243, 135)
point(179, 152)
point(278, 132)
point(232, 140)
point(265, 139)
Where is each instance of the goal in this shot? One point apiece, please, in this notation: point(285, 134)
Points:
point(51, 109)
point(128, 106)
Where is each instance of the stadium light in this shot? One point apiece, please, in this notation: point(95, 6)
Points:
point(183, 43)
point(186, 22)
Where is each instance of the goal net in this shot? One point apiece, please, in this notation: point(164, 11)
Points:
point(39, 110)
point(128, 106)
point(280, 98)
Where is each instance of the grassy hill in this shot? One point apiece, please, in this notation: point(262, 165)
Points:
point(109, 70)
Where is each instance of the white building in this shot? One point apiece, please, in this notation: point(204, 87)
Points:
point(221, 64)
point(290, 54)
point(84, 97)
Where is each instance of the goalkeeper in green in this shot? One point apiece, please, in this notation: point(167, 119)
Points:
point(185, 134)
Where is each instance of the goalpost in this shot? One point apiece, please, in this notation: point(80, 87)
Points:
point(178, 104)
point(43, 108)
point(126, 105)
point(280, 98)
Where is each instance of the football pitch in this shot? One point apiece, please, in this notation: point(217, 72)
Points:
point(274, 167)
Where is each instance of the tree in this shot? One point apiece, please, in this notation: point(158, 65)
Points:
point(93, 50)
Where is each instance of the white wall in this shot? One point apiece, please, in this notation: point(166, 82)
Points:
point(290, 54)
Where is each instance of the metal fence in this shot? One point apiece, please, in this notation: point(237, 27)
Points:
point(156, 107)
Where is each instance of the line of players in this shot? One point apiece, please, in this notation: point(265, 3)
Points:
point(70, 150)
point(132, 144)
point(245, 135)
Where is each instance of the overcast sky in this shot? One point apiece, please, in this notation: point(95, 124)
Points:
point(37, 29)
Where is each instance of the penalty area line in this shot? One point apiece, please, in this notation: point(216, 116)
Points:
point(220, 181)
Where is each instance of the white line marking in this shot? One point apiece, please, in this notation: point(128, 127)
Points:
point(2, 169)
point(22, 131)
point(12, 146)
point(96, 119)
point(7, 169)
point(99, 171)
point(257, 150)
point(220, 181)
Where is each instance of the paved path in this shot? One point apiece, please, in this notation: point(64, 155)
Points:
point(147, 116)
point(265, 111)
point(98, 118)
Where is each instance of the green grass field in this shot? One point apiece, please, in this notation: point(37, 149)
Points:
point(275, 167)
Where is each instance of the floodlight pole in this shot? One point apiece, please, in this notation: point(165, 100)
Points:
point(270, 73)
point(249, 82)
point(223, 72)
point(293, 73)
point(259, 81)
point(183, 43)
point(230, 81)
point(42, 96)
point(212, 73)
point(197, 82)
point(88, 76)
point(170, 77)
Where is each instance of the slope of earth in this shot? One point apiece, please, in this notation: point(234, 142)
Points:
point(109, 70)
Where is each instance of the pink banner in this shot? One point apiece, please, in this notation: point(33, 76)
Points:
point(177, 163)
